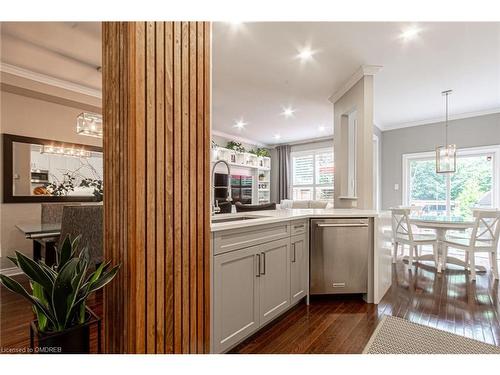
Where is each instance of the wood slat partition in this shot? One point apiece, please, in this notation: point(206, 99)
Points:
point(156, 186)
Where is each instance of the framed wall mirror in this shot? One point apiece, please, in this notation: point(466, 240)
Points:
point(40, 170)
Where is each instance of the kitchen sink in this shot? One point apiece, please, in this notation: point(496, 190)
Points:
point(226, 219)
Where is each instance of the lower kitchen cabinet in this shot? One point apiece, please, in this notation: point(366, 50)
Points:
point(274, 279)
point(254, 285)
point(235, 297)
point(299, 268)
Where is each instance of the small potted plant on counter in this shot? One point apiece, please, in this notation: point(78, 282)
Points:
point(59, 295)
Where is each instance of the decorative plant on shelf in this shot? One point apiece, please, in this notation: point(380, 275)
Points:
point(93, 183)
point(263, 152)
point(259, 151)
point(59, 293)
point(236, 146)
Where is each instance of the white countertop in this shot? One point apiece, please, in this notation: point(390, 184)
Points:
point(275, 216)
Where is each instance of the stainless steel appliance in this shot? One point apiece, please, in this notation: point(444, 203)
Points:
point(339, 255)
point(39, 176)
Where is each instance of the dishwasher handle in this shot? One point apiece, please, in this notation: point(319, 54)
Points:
point(340, 225)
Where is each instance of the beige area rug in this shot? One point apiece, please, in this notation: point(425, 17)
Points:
point(394, 335)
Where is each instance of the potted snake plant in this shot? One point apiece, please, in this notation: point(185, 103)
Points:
point(59, 294)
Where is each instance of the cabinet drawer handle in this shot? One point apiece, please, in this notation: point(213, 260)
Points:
point(257, 256)
point(294, 259)
point(263, 272)
point(342, 225)
point(299, 226)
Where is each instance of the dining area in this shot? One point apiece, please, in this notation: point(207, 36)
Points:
point(60, 220)
point(51, 190)
point(447, 240)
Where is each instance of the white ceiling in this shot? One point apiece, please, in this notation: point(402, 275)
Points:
point(256, 72)
point(69, 51)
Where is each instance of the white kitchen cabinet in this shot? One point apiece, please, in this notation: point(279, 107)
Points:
point(235, 297)
point(252, 279)
point(299, 267)
point(274, 279)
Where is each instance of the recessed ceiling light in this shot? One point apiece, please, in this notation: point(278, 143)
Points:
point(410, 33)
point(240, 124)
point(277, 136)
point(288, 112)
point(235, 24)
point(321, 128)
point(305, 54)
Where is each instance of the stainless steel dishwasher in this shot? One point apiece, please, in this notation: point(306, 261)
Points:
point(339, 255)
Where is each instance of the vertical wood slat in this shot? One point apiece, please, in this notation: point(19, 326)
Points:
point(156, 146)
point(169, 189)
point(200, 146)
point(139, 157)
point(185, 184)
point(160, 187)
point(177, 190)
point(150, 153)
point(193, 148)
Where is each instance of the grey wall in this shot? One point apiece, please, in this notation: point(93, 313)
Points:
point(27, 116)
point(469, 132)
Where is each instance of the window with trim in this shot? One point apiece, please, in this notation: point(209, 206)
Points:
point(312, 174)
point(475, 183)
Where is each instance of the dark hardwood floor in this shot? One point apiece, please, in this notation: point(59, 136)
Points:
point(344, 324)
point(338, 324)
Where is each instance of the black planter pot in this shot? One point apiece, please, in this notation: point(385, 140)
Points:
point(75, 340)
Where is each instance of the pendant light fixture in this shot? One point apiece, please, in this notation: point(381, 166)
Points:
point(89, 124)
point(446, 156)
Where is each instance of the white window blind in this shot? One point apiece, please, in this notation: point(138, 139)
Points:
point(312, 174)
point(303, 169)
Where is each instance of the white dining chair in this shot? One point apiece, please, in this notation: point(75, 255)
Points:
point(403, 234)
point(483, 239)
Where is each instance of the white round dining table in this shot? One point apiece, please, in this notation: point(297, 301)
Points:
point(441, 225)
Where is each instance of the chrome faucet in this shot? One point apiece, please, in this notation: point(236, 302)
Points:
point(215, 204)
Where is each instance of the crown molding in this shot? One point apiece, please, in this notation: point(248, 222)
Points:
point(327, 138)
point(239, 139)
point(364, 70)
point(49, 80)
point(437, 120)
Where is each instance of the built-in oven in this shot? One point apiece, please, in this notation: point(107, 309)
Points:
point(39, 176)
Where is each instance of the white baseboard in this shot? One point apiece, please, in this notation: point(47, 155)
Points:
point(11, 271)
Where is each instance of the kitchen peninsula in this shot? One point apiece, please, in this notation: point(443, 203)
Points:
point(262, 264)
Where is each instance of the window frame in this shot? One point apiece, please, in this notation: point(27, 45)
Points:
point(314, 152)
point(469, 151)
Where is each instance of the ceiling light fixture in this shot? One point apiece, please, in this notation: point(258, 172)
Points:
point(240, 124)
point(235, 24)
point(446, 156)
point(288, 112)
point(66, 151)
point(277, 136)
point(89, 124)
point(321, 128)
point(305, 54)
point(410, 33)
